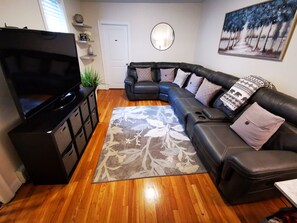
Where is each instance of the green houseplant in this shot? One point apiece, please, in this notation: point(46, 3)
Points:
point(90, 78)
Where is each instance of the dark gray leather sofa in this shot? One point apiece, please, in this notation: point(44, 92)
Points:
point(240, 173)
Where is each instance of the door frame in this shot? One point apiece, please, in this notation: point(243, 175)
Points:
point(103, 49)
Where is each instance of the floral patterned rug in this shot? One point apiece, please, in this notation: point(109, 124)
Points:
point(145, 141)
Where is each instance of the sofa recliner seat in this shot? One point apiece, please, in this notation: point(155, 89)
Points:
point(216, 141)
point(240, 173)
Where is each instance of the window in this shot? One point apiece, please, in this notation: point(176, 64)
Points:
point(54, 15)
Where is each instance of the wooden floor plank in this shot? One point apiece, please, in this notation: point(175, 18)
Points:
point(188, 198)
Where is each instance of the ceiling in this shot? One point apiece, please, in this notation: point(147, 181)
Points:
point(146, 1)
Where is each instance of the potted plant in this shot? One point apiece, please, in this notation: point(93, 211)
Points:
point(90, 78)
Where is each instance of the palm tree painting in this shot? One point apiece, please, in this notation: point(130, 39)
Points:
point(259, 31)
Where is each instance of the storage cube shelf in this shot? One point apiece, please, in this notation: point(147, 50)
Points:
point(51, 143)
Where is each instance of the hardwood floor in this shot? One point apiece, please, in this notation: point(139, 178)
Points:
point(188, 198)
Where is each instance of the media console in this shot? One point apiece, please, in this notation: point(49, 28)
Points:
point(51, 143)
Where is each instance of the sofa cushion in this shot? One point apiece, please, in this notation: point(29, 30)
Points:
point(256, 125)
point(194, 83)
point(167, 75)
point(165, 86)
point(146, 87)
point(206, 92)
point(215, 142)
point(144, 74)
point(175, 93)
point(181, 77)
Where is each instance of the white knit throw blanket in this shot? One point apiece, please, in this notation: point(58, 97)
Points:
point(242, 90)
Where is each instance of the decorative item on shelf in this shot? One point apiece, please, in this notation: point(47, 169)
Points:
point(90, 50)
point(78, 18)
point(90, 78)
point(13, 27)
point(84, 37)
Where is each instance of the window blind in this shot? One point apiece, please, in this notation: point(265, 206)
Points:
point(54, 15)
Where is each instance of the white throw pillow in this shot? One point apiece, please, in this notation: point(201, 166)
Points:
point(180, 77)
point(194, 83)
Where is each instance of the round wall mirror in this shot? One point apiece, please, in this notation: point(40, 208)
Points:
point(162, 36)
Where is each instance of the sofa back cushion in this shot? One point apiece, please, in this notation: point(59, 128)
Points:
point(191, 68)
point(277, 103)
point(283, 139)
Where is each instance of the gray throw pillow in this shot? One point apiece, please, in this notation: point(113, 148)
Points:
point(206, 92)
point(256, 125)
point(167, 75)
point(144, 74)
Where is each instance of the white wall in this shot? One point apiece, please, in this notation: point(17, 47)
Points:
point(17, 13)
point(282, 74)
point(142, 17)
point(73, 7)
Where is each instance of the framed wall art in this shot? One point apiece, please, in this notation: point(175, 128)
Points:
point(259, 31)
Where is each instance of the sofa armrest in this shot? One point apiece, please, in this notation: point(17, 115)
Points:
point(214, 114)
point(250, 176)
point(129, 81)
point(261, 164)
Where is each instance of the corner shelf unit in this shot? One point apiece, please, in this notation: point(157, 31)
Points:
point(85, 41)
point(88, 57)
point(82, 26)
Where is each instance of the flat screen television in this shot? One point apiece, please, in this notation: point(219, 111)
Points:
point(41, 68)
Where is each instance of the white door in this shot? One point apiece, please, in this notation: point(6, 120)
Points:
point(115, 53)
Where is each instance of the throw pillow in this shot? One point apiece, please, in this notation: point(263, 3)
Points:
point(180, 77)
point(167, 75)
point(144, 74)
point(207, 91)
point(256, 125)
point(194, 83)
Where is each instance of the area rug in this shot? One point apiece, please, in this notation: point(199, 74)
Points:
point(145, 141)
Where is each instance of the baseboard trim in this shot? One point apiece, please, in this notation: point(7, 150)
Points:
point(8, 191)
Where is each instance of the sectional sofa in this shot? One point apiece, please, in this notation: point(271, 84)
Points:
point(241, 173)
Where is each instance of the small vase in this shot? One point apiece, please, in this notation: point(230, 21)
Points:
point(90, 50)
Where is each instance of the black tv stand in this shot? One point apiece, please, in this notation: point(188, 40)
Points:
point(63, 101)
point(51, 143)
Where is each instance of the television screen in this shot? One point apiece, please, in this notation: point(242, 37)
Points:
point(39, 67)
